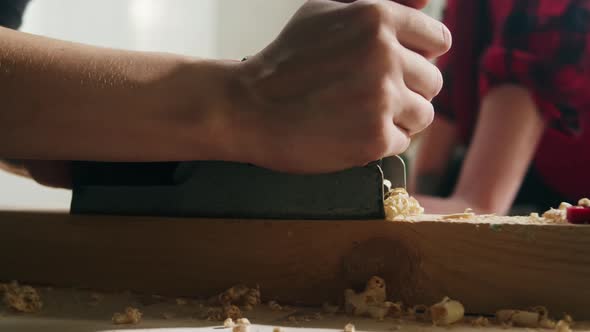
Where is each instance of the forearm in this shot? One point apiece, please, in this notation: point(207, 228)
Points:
point(69, 101)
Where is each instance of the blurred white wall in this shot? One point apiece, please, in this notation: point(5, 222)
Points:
point(229, 29)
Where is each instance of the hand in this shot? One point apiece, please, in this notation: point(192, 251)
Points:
point(342, 85)
point(418, 4)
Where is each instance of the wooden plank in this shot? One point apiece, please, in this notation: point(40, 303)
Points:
point(486, 263)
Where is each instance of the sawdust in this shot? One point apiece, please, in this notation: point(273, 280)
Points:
point(399, 205)
point(19, 298)
point(131, 316)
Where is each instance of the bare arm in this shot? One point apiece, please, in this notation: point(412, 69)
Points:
point(282, 109)
point(62, 100)
point(508, 132)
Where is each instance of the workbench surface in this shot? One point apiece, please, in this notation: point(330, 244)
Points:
point(69, 311)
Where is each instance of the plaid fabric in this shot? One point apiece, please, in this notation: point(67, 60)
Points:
point(543, 45)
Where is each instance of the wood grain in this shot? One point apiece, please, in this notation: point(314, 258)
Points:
point(486, 263)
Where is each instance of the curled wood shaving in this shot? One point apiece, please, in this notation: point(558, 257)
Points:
point(130, 316)
point(349, 328)
point(21, 298)
point(557, 215)
point(373, 296)
point(241, 325)
point(563, 326)
point(399, 205)
point(240, 295)
point(585, 202)
point(537, 317)
point(447, 312)
point(228, 323)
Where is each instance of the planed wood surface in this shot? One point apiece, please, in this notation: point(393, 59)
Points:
point(486, 263)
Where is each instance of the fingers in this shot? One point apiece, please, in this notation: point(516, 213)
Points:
point(418, 4)
point(420, 75)
point(419, 32)
point(416, 114)
point(400, 141)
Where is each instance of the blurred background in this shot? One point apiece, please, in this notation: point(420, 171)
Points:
point(226, 29)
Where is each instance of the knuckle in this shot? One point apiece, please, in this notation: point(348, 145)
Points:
point(369, 15)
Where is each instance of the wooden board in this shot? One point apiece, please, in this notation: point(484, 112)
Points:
point(486, 263)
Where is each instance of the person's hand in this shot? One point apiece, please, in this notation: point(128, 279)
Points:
point(418, 4)
point(342, 85)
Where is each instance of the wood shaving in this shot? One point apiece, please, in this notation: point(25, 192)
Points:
point(229, 323)
point(399, 205)
point(241, 325)
point(447, 312)
point(373, 296)
point(558, 215)
point(131, 316)
point(563, 326)
point(232, 311)
point(480, 322)
point(585, 202)
point(21, 298)
point(240, 295)
point(349, 328)
point(243, 321)
point(277, 329)
point(547, 323)
point(536, 317)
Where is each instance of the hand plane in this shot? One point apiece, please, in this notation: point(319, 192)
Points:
point(215, 189)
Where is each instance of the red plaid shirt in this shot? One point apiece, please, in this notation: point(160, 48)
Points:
point(543, 45)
